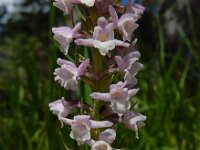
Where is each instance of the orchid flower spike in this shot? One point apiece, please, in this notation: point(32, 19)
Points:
point(65, 35)
point(124, 59)
point(119, 97)
point(81, 126)
point(103, 38)
point(68, 74)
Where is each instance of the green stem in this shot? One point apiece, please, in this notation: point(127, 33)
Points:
point(95, 111)
point(97, 69)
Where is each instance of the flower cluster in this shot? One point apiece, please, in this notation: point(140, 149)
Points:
point(108, 37)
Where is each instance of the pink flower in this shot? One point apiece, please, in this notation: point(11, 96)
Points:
point(129, 77)
point(105, 138)
point(125, 63)
point(101, 145)
point(133, 121)
point(118, 95)
point(129, 65)
point(65, 35)
point(108, 136)
point(81, 126)
point(67, 5)
point(60, 107)
point(125, 24)
point(68, 74)
point(103, 38)
point(135, 9)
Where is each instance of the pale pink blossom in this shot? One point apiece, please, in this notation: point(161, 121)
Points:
point(129, 65)
point(103, 38)
point(67, 5)
point(101, 145)
point(81, 126)
point(129, 77)
point(60, 107)
point(125, 24)
point(133, 121)
point(119, 96)
point(108, 136)
point(65, 35)
point(105, 139)
point(68, 74)
point(125, 63)
point(135, 9)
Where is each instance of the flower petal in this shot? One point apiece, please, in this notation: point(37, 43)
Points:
point(135, 68)
point(104, 47)
point(100, 124)
point(121, 43)
point(82, 67)
point(84, 42)
point(100, 96)
point(133, 121)
point(132, 92)
point(64, 5)
point(61, 62)
point(89, 3)
point(101, 145)
point(121, 63)
point(66, 121)
point(120, 108)
point(130, 79)
point(133, 54)
point(108, 136)
point(113, 15)
point(76, 29)
point(56, 106)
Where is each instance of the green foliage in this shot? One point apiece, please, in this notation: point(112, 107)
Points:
point(169, 89)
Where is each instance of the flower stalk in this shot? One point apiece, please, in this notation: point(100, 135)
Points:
point(109, 55)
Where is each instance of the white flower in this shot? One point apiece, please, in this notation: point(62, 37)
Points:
point(81, 125)
point(118, 95)
point(101, 145)
point(68, 74)
point(133, 121)
point(103, 38)
point(65, 35)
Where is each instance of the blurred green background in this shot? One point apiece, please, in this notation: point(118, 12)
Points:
point(168, 39)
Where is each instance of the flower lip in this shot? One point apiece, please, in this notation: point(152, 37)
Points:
point(108, 136)
point(101, 145)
